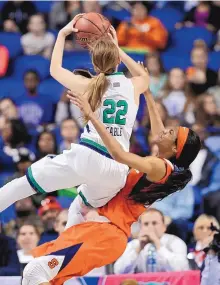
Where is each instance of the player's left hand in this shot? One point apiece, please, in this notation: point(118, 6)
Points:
point(80, 101)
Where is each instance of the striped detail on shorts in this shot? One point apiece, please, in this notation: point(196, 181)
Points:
point(96, 147)
point(33, 182)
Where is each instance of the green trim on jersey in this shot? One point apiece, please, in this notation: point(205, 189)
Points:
point(116, 73)
point(92, 143)
point(84, 199)
point(34, 183)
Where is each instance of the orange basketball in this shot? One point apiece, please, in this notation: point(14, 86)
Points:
point(91, 26)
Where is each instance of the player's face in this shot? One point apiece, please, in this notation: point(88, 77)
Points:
point(153, 221)
point(166, 140)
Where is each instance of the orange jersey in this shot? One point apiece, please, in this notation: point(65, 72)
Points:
point(121, 210)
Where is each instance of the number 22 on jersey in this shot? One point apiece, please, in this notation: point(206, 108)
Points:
point(115, 112)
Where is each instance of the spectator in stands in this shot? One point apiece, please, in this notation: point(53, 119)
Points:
point(200, 77)
point(143, 32)
point(48, 212)
point(15, 15)
point(38, 40)
point(27, 239)
point(61, 221)
point(61, 14)
point(14, 135)
point(203, 166)
point(178, 209)
point(46, 144)
point(8, 110)
point(157, 73)
point(9, 263)
point(22, 159)
point(4, 60)
point(205, 14)
point(176, 93)
point(169, 252)
point(34, 108)
point(26, 209)
point(206, 110)
point(202, 238)
point(91, 6)
point(70, 133)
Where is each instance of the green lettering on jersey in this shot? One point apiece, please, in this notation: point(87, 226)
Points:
point(113, 116)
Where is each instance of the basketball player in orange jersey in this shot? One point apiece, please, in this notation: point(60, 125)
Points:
point(103, 236)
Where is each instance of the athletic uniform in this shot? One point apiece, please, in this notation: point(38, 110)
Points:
point(88, 162)
point(92, 244)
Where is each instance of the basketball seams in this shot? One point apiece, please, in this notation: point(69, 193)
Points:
point(95, 30)
point(92, 23)
point(101, 18)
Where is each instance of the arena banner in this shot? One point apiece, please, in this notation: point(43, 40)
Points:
point(162, 278)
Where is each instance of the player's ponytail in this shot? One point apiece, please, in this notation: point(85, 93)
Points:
point(105, 59)
point(97, 87)
point(147, 193)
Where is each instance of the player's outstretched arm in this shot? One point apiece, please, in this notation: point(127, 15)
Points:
point(153, 166)
point(140, 77)
point(71, 81)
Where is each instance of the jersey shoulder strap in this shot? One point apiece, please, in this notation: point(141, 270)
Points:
point(169, 170)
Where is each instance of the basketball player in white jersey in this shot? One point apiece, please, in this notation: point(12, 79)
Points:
point(115, 100)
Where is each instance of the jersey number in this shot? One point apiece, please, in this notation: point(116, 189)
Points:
point(111, 116)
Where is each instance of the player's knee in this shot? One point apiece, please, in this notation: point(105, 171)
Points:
point(34, 273)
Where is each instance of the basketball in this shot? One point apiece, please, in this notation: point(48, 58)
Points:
point(91, 26)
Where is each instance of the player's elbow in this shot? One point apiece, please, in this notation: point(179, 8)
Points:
point(54, 71)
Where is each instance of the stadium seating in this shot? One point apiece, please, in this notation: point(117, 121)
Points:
point(183, 39)
point(164, 15)
point(35, 62)
point(12, 42)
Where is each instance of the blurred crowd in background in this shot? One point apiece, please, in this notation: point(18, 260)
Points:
point(179, 43)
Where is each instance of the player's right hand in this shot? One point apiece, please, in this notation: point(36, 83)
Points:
point(80, 101)
point(113, 36)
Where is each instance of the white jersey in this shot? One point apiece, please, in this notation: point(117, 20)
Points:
point(118, 111)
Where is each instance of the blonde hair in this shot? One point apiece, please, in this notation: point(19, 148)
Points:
point(203, 217)
point(105, 58)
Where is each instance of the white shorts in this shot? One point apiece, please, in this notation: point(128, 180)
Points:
point(103, 176)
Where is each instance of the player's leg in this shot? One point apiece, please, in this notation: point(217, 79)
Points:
point(77, 251)
point(44, 176)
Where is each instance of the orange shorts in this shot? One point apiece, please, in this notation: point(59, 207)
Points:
point(85, 247)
